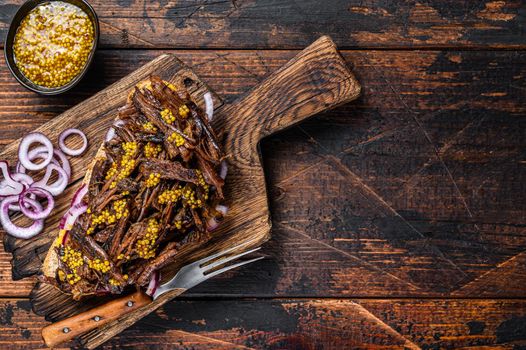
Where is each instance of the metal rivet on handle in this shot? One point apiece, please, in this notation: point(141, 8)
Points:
point(66, 330)
point(96, 318)
point(129, 303)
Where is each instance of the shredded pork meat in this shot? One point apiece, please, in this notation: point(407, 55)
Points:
point(156, 190)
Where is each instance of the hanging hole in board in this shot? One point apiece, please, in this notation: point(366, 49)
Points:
point(188, 82)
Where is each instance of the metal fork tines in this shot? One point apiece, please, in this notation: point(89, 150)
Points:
point(193, 274)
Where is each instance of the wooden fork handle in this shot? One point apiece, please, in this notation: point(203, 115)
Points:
point(74, 326)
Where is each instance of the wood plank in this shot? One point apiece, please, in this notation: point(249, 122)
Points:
point(315, 80)
point(454, 324)
point(302, 324)
point(470, 106)
point(265, 24)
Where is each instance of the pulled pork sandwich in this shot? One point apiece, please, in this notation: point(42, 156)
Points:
point(153, 186)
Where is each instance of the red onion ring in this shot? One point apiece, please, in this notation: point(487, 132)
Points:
point(26, 181)
point(58, 186)
point(222, 209)
point(68, 220)
point(64, 162)
point(59, 158)
point(110, 134)
point(36, 214)
point(209, 103)
point(65, 238)
point(16, 231)
point(23, 150)
point(212, 224)
point(72, 214)
point(22, 189)
point(62, 222)
point(111, 131)
point(224, 169)
point(119, 122)
point(72, 152)
point(8, 186)
point(39, 152)
point(154, 283)
point(79, 195)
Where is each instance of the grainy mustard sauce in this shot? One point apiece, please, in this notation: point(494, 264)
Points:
point(52, 43)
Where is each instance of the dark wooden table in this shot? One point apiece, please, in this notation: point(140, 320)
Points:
point(399, 219)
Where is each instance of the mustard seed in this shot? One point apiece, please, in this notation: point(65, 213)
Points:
point(52, 43)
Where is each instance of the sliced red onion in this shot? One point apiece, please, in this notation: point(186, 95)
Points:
point(23, 151)
point(67, 221)
point(59, 158)
point(102, 290)
point(154, 283)
point(212, 224)
point(23, 179)
point(36, 214)
point(64, 162)
point(16, 231)
point(22, 189)
point(222, 209)
point(9, 186)
point(39, 152)
point(209, 103)
point(79, 195)
point(58, 186)
point(65, 238)
point(77, 208)
point(110, 134)
point(224, 169)
point(111, 131)
point(69, 151)
point(26, 181)
point(62, 222)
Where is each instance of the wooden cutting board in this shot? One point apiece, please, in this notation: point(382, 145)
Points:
point(315, 80)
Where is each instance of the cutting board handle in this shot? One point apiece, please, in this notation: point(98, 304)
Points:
point(69, 328)
point(315, 80)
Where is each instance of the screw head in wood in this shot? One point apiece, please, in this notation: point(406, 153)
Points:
point(129, 303)
point(96, 318)
point(65, 330)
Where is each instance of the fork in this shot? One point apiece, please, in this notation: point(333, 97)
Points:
point(187, 277)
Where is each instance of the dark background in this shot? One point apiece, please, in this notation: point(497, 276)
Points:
point(399, 219)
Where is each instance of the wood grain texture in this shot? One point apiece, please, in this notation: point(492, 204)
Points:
point(301, 324)
point(468, 103)
point(56, 334)
point(415, 190)
point(265, 24)
point(315, 80)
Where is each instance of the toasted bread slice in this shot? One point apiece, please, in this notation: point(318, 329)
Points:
point(50, 264)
